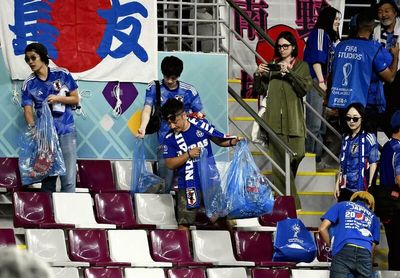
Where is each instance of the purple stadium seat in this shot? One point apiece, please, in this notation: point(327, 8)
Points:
point(270, 273)
point(173, 246)
point(323, 251)
point(101, 272)
point(284, 207)
point(117, 208)
point(7, 237)
point(186, 273)
point(10, 179)
point(35, 210)
point(91, 246)
point(96, 175)
point(256, 247)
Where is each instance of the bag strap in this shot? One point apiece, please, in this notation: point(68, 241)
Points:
point(158, 93)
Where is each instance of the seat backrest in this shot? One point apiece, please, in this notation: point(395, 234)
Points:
point(102, 272)
point(284, 207)
point(212, 246)
point(88, 245)
point(7, 237)
point(270, 273)
point(253, 246)
point(48, 244)
point(65, 272)
point(10, 177)
point(32, 208)
point(310, 273)
point(114, 208)
point(186, 273)
point(122, 171)
point(96, 175)
point(236, 272)
point(324, 253)
point(144, 272)
point(170, 246)
point(157, 209)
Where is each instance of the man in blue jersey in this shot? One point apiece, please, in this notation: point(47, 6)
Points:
point(170, 87)
point(355, 233)
point(59, 89)
point(182, 148)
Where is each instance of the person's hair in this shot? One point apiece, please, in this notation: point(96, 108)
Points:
point(171, 66)
point(40, 49)
point(171, 107)
point(325, 20)
point(365, 21)
point(15, 263)
point(291, 39)
point(361, 110)
point(365, 197)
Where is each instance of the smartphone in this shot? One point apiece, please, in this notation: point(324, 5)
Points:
point(274, 67)
point(394, 41)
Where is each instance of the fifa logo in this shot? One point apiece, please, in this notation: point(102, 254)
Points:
point(296, 230)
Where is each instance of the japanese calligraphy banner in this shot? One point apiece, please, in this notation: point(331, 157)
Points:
point(96, 40)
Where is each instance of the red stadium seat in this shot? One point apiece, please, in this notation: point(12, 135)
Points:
point(96, 175)
point(7, 237)
point(101, 272)
point(186, 273)
point(10, 179)
point(323, 251)
point(284, 207)
point(270, 273)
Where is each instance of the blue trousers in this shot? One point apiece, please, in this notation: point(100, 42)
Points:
point(351, 260)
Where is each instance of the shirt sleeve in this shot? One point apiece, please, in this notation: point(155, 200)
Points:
point(196, 105)
point(150, 94)
point(373, 148)
point(318, 43)
point(396, 164)
point(375, 230)
point(26, 97)
point(170, 149)
point(380, 62)
point(70, 82)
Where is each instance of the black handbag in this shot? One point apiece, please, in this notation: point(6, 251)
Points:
point(155, 117)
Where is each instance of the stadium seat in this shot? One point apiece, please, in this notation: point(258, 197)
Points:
point(284, 207)
point(7, 237)
point(144, 272)
point(117, 208)
point(323, 251)
point(65, 272)
point(91, 246)
point(96, 175)
point(132, 246)
point(257, 247)
point(49, 245)
point(270, 273)
point(35, 210)
point(10, 179)
point(102, 272)
point(173, 246)
point(122, 170)
point(310, 273)
point(77, 209)
point(237, 272)
point(186, 273)
point(156, 209)
point(215, 247)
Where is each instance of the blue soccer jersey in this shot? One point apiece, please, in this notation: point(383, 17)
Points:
point(35, 91)
point(354, 224)
point(390, 162)
point(184, 92)
point(354, 62)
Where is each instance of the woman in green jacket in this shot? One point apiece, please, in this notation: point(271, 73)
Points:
point(284, 86)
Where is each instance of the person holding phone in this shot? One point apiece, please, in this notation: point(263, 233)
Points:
point(285, 81)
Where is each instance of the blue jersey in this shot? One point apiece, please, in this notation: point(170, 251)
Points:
point(184, 92)
point(390, 162)
point(353, 223)
point(354, 62)
point(35, 91)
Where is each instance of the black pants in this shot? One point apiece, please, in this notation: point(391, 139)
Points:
point(392, 230)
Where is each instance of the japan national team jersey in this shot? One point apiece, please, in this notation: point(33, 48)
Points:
point(390, 162)
point(184, 92)
point(353, 223)
point(35, 91)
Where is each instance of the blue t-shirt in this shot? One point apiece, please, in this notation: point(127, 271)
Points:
point(390, 162)
point(354, 62)
point(35, 91)
point(353, 223)
point(184, 92)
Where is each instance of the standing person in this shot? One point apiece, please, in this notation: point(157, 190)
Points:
point(170, 87)
point(285, 89)
point(387, 34)
point(60, 89)
point(182, 147)
point(358, 155)
point(356, 234)
point(318, 54)
point(390, 178)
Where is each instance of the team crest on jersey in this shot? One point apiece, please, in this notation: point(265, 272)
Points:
point(180, 98)
point(191, 196)
point(199, 133)
point(165, 148)
point(57, 85)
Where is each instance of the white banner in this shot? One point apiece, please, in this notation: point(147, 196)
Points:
point(96, 40)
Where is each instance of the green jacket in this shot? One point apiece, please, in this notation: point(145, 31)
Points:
point(285, 111)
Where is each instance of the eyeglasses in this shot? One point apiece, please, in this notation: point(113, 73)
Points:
point(31, 58)
point(283, 46)
point(172, 118)
point(354, 119)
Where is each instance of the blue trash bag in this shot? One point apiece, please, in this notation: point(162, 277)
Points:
point(247, 191)
point(143, 181)
point(214, 199)
point(40, 154)
point(293, 242)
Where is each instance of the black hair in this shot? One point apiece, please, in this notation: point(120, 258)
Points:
point(171, 66)
point(171, 107)
point(325, 20)
point(365, 21)
point(40, 49)
point(291, 39)
point(361, 110)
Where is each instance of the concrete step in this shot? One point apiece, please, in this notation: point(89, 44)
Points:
point(307, 164)
point(316, 201)
point(236, 110)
